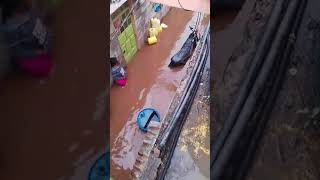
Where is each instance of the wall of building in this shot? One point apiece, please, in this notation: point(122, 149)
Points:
point(115, 50)
point(142, 13)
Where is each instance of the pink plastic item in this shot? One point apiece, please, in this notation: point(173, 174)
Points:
point(121, 82)
point(38, 66)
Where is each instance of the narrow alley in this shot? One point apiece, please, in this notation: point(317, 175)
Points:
point(150, 84)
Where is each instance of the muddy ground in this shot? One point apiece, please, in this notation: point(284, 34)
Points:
point(291, 144)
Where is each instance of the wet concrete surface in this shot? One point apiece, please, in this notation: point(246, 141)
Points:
point(233, 45)
point(291, 145)
point(150, 84)
point(55, 128)
point(191, 159)
point(288, 149)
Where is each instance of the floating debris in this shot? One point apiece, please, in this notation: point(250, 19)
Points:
point(303, 111)
point(315, 112)
point(293, 71)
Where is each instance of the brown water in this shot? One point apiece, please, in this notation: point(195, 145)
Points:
point(54, 128)
point(150, 84)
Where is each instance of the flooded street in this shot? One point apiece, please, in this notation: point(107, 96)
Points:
point(54, 128)
point(150, 84)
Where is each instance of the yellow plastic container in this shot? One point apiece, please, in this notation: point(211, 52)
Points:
point(153, 32)
point(155, 23)
point(159, 29)
point(152, 40)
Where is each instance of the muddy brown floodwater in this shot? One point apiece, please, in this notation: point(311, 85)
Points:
point(150, 84)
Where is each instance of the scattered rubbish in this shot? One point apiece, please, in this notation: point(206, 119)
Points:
point(181, 57)
point(206, 99)
point(157, 7)
point(152, 40)
point(293, 71)
point(154, 31)
point(155, 22)
point(119, 75)
point(164, 26)
point(121, 82)
point(115, 1)
point(312, 114)
point(303, 111)
point(159, 29)
point(315, 112)
point(146, 118)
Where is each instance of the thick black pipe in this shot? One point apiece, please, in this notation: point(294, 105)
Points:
point(249, 106)
point(285, 59)
point(183, 113)
point(185, 94)
point(255, 66)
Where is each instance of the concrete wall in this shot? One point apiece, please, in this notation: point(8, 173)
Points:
point(142, 14)
point(115, 50)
